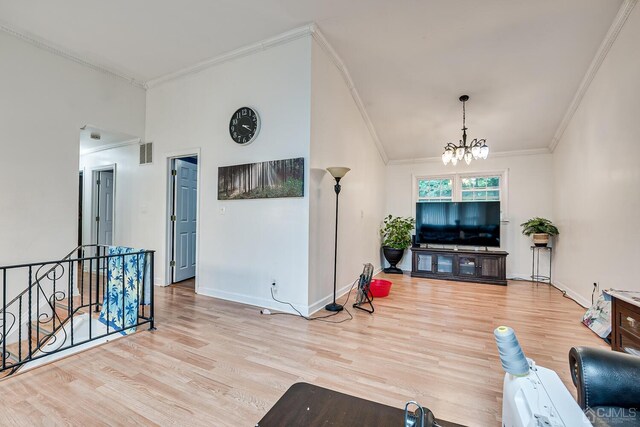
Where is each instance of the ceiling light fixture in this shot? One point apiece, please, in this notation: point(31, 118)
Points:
point(476, 149)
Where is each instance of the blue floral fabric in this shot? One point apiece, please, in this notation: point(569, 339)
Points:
point(125, 284)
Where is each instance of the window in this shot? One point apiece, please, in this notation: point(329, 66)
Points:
point(480, 188)
point(477, 187)
point(435, 189)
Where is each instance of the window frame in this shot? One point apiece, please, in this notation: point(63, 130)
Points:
point(461, 176)
point(456, 187)
point(416, 193)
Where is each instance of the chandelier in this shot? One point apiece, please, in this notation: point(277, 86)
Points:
point(476, 149)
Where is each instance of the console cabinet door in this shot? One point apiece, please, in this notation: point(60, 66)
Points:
point(467, 266)
point(444, 264)
point(490, 267)
point(424, 262)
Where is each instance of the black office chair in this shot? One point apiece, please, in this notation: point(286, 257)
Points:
point(608, 384)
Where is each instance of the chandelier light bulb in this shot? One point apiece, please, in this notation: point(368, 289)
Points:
point(484, 151)
point(460, 153)
point(445, 159)
point(454, 161)
point(475, 151)
point(467, 157)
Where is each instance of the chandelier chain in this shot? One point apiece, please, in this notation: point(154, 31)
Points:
point(464, 116)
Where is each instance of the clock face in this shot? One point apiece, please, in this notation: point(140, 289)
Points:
point(244, 125)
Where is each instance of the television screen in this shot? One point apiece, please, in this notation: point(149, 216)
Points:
point(458, 223)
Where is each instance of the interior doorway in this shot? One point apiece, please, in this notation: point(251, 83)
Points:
point(103, 205)
point(183, 219)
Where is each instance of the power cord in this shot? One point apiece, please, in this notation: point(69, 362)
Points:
point(562, 291)
point(319, 318)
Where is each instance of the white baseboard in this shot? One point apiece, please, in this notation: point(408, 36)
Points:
point(519, 276)
point(269, 303)
point(319, 304)
point(573, 294)
point(258, 302)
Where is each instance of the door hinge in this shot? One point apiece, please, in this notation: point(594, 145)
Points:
point(172, 264)
point(97, 182)
point(173, 218)
point(97, 219)
point(174, 172)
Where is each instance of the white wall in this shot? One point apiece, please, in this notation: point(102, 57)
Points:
point(339, 137)
point(255, 241)
point(597, 188)
point(45, 100)
point(530, 180)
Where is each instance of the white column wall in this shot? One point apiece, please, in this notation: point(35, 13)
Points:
point(243, 244)
point(340, 137)
point(597, 186)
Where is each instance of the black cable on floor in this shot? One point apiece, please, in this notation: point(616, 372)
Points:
point(562, 291)
point(319, 318)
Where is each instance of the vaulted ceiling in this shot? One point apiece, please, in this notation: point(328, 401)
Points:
point(521, 61)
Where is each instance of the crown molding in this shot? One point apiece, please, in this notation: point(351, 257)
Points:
point(337, 61)
point(132, 141)
point(601, 54)
point(278, 40)
point(531, 152)
point(67, 54)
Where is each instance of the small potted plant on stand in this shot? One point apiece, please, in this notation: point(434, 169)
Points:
point(396, 237)
point(541, 229)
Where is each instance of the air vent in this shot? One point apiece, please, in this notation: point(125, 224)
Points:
point(146, 153)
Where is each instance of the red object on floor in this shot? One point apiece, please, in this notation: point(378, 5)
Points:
point(380, 288)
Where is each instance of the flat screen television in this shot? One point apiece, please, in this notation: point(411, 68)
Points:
point(458, 223)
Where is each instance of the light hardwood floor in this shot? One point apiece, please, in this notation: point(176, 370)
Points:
point(218, 363)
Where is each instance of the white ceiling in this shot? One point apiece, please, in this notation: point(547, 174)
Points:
point(521, 61)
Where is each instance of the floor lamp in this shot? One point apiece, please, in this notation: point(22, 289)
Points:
point(338, 173)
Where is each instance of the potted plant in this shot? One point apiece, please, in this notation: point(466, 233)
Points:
point(541, 229)
point(396, 237)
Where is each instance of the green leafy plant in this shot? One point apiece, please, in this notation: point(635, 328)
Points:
point(396, 232)
point(539, 225)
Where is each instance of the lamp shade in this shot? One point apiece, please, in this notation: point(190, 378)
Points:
point(338, 171)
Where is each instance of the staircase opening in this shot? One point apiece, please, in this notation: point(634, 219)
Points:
point(55, 308)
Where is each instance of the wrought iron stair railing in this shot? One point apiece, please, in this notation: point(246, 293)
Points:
point(73, 301)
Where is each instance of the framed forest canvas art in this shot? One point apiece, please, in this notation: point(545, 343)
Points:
point(263, 180)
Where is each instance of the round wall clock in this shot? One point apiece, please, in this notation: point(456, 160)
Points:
point(244, 125)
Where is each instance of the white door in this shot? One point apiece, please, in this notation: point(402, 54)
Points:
point(104, 219)
point(186, 191)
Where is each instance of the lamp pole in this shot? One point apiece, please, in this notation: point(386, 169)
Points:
point(338, 173)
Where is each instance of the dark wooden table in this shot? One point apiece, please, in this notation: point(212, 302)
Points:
point(310, 406)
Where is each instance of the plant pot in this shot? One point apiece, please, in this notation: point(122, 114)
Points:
point(540, 239)
point(393, 257)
